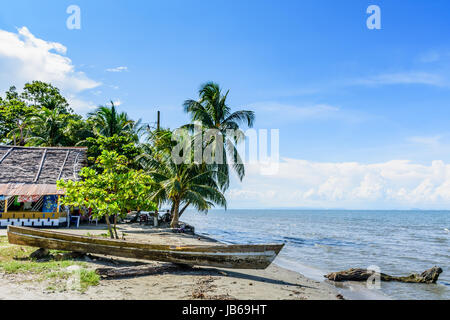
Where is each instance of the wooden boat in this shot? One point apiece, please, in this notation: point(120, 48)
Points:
point(222, 256)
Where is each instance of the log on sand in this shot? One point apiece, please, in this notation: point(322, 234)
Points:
point(145, 270)
point(428, 276)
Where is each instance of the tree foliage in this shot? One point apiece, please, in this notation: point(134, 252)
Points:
point(108, 122)
point(37, 116)
point(213, 112)
point(111, 193)
point(14, 114)
point(123, 145)
point(180, 185)
point(129, 166)
point(41, 94)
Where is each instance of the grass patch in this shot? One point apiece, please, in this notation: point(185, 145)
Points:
point(4, 241)
point(14, 252)
point(16, 260)
point(80, 280)
point(89, 278)
point(35, 267)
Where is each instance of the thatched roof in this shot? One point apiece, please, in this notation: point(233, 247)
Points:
point(34, 171)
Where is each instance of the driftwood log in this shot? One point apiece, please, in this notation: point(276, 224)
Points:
point(428, 276)
point(135, 271)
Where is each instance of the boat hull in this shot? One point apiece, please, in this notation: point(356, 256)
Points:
point(221, 256)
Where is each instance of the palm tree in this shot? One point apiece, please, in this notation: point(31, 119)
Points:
point(21, 134)
point(52, 103)
point(212, 111)
point(108, 122)
point(181, 185)
point(49, 127)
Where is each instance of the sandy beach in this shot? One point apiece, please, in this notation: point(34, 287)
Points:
point(274, 283)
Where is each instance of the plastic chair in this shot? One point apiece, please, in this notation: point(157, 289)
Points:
point(91, 219)
point(75, 219)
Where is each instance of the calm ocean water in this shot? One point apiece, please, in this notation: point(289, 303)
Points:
point(318, 242)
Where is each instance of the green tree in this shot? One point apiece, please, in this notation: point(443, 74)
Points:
point(12, 94)
point(78, 131)
point(108, 122)
point(22, 116)
point(41, 94)
point(123, 145)
point(49, 127)
point(13, 120)
point(111, 193)
point(212, 111)
point(182, 185)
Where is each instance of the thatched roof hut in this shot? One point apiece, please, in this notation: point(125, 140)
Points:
point(28, 171)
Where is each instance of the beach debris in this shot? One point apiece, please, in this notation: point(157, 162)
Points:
point(205, 288)
point(428, 276)
point(145, 270)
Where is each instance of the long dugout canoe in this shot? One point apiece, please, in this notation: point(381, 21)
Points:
point(221, 256)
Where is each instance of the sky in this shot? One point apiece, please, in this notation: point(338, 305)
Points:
point(363, 114)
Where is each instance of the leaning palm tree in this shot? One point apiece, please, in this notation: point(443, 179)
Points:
point(108, 122)
point(180, 185)
point(212, 111)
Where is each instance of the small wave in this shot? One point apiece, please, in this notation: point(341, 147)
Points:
point(321, 242)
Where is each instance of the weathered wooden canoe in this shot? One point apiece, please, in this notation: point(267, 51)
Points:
point(222, 256)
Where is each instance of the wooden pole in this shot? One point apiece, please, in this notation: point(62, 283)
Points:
point(6, 205)
point(57, 209)
point(158, 123)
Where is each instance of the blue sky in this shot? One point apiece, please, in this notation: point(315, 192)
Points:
point(339, 92)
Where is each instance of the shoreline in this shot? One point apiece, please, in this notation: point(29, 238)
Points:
point(348, 290)
point(199, 283)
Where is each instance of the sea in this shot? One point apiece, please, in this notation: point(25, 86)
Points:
point(321, 241)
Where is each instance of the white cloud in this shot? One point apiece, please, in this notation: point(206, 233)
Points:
point(432, 56)
point(117, 69)
point(24, 58)
point(397, 184)
point(429, 57)
point(430, 141)
point(80, 105)
point(275, 113)
point(424, 78)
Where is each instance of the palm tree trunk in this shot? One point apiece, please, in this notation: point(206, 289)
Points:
point(111, 234)
point(115, 226)
point(172, 209)
point(175, 216)
point(184, 209)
